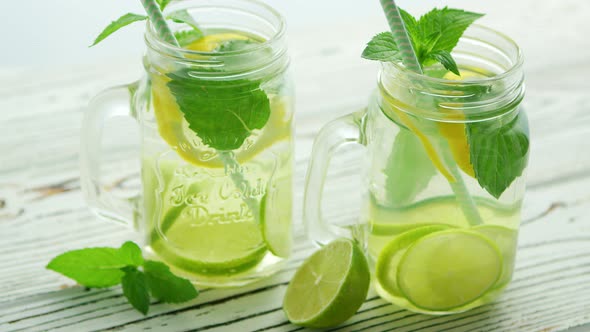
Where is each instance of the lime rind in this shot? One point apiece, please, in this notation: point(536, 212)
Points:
point(225, 268)
point(329, 287)
point(431, 275)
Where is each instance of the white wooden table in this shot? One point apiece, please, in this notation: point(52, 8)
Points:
point(42, 213)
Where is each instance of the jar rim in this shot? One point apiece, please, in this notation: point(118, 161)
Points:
point(169, 50)
point(514, 68)
point(477, 99)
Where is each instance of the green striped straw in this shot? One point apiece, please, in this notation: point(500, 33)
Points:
point(400, 35)
point(227, 158)
point(157, 19)
point(410, 60)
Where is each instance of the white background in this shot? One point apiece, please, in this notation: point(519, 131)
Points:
point(58, 32)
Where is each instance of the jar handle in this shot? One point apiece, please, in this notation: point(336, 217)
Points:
point(337, 133)
point(109, 104)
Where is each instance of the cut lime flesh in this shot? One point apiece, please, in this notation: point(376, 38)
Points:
point(392, 253)
point(449, 269)
point(329, 287)
point(212, 250)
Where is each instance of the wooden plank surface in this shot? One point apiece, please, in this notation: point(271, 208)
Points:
point(42, 213)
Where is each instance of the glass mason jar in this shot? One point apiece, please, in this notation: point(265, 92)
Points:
point(216, 147)
point(444, 177)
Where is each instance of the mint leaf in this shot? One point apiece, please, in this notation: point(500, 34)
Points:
point(163, 4)
point(165, 286)
point(97, 267)
point(91, 267)
point(187, 37)
point(450, 23)
point(135, 289)
point(382, 48)
point(183, 16)
point(410, 23)
point(446, 60)
point(433, 37)
point(222, 113)
point(498, 151)
point(408, 169)
point(118, 24)
point(131, 253)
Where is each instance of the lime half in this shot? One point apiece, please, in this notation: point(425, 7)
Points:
point(387, 263)
point(329, 287)
point(449, 269)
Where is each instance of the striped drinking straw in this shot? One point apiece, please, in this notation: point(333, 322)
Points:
point(227, 158)
point(410, 60)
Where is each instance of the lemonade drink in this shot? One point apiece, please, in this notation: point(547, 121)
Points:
point(200, 220)
point(428, 257)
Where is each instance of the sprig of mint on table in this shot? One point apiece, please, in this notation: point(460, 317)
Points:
point(105, 267)
point(497, 151)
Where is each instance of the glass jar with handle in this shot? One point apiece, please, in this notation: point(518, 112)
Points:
point(215, 118)
point(444, 178)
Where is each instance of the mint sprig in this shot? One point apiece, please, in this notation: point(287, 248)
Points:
point(433, 37)
point(105, 267)
point(184, 37)
point(121, 22)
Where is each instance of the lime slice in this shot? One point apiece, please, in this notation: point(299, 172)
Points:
point(392, 253)
point(386, 222)
point(276, 216)
point(449, 269)
point(195, 240)
point(506, 239)
point(329, 287)
point(216, 249)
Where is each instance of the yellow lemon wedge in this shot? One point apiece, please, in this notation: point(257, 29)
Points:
point(456, 134)
point(210, 42)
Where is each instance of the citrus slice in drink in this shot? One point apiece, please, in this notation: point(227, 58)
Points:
point(329, 287)
point(212, 42)
point(176, 132)
point(455, 132)
point(388, 222)
point(506, 239)
point(276, 216)
point(449, 269)
point(390, 256)
point(210, 248)
point(196, 240)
